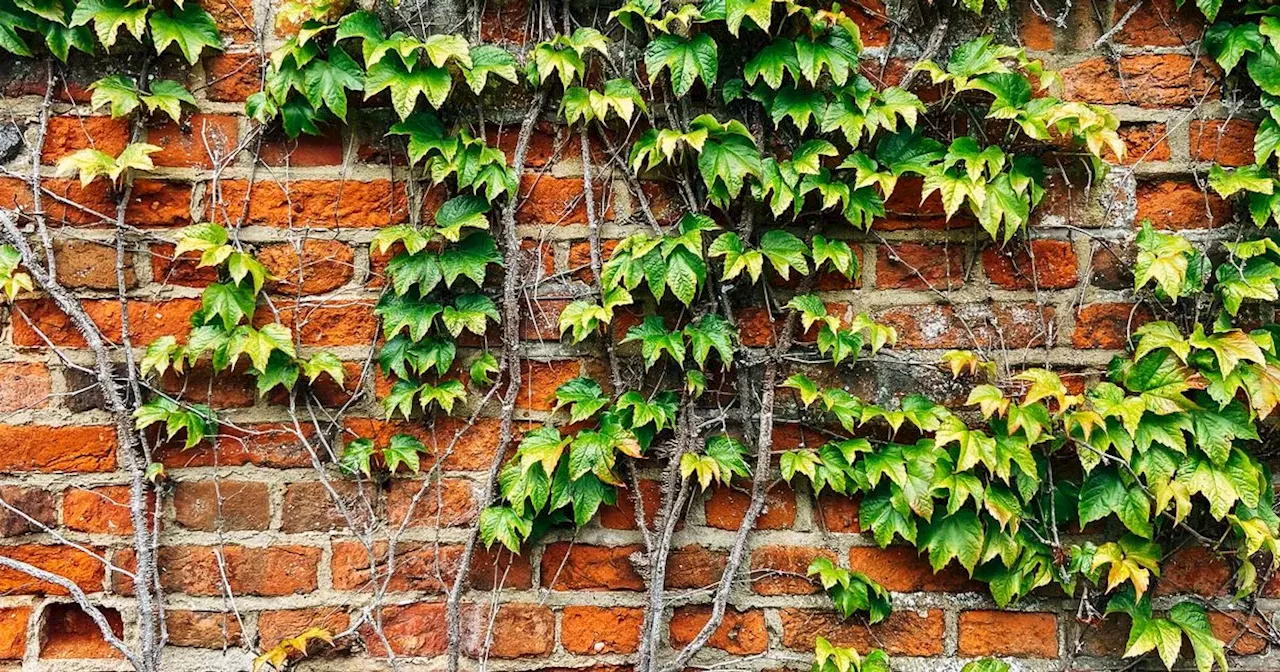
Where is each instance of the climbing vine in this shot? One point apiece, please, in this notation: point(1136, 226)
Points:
point(780, 150)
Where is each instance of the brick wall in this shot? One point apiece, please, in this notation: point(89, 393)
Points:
point(250, 507)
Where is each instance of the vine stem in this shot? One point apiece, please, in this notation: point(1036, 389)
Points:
point(510, 367)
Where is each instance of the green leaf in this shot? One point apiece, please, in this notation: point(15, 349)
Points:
point(1228, 43)
point(483, 368)
point(470, 312)
point(407, 84)
point(190, 27)
point(108, 17)
point(1154, 634)
point(503, 525)
point(1164, 258)
point(687, 60)
point(357, 455)
point(470, 258)
point(542, 446)
point(323, 362)
point(116, 91)
point(958, 536)
point(489, 60)
point(461, 212)
point(1194, 622)
point(229, 303)
point(403, 449)
point(583, 396)
point(167, 96)
point(329, 80)
point(784, 251)
point(655, 340)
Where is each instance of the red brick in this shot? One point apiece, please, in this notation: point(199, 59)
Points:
point(987, 633)
point(472, 451)
point(1244, 634)
point(556, 200)
point(102, 510)
point(1145, 142)
point(540, 380)
point(582, 567)
point(622, 516)
point(233, 388)
point(916, 266)
point(515, 631)
point(199, 142)
point(179, 270)
point(319, 266)
point(84, 264)
point(232, 78)
point(275, 626)
point(72, 564)
point(1229, 143)
point(1146, 80)
point(222, 505)
point(90, 205)
point(13, 632)
point(1107, 325)
point(903, 570)
point(498, 568)
point(838, 513)
point(320, 203)
point(505, 21)
point(1179, 205)
point(756, 326)
point(540, 321)
point(160, 203)
point(69, 632)
point(418, 566)
point(23, 385)
point(268, 572)
point(416, 629)
point(1195, 570)
point(1158, 23)
point(907, 632)
point(970, 325)
point(780, 570)
point(202, 629)
point(740, 633)
point(36, 504)
point(1035, 32)
point(694, 567)
point(1040, 264)
point(66, 135)
point(601, 630)
point(326, 324)
point(57, 449)
point(449, 502)
point(306, 150)
point(309, 507)
point(727, 506)
point(148, 320)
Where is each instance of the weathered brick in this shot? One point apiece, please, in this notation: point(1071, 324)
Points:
point(268, 572)
point(916, 266)
point(971, 325)
point(449, 502)
point(472, 451)
point(160, 203)
point(34, 503)
point(583, 567)
point(81, 569)
point(1146, 80)
point(1039, 264)
point(540, 380)
point(305, 150)
point(1179, 205)
point(69, 632)
point(222, 505)
point(740, 633)
point(1193, 569)
point(68, 134)
point(13, 632)
point(57, 449)
point(838, 513)
point(515, 631)
point(1107, 325)
point(313, 266)
point(989, 633)
point(1229, 143)
point(727, 506)
point(232, 78)
point(1145, 142)
point(556, 200)
point(203, 141)
point(320, 203)
point(309, 506)
point(278, 625)
point(693, 567)
point(90, 265)
point(416, 629)
point(1244, 634)
point(907, 632)
point(601, 630)
point(148, 320)
point(780, 570)
point(103, 510)
point(1158, 23)
point(23, 385)
point(202, 629)
point(622, 516)
point(904, 570)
